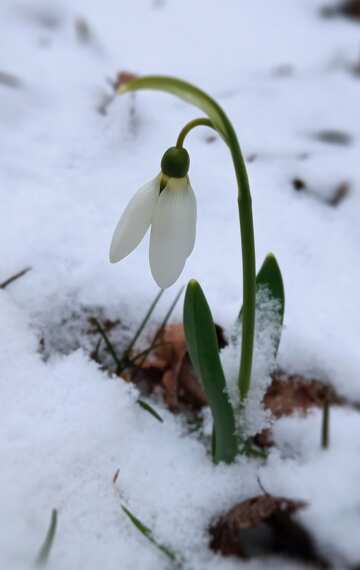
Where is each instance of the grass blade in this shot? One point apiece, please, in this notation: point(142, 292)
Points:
point(108, 343)
point(325, 424)
point(140, 356)
point(142, 326)
point(150, 409)
point(204, 353)
point(167, 316)
point(147, 532)
point(45, 550)
point(162, 326)
point(124, 361)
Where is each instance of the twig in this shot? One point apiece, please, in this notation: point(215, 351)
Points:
point(14, 277)
point(339, 195)
point(147, 533)
point(95, 353)
point(265, 492)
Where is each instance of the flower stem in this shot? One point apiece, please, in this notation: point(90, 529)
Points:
point(202, 122)
point(247, 245)
point(219, 120)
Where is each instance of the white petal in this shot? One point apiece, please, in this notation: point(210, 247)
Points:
point(172, 231)
point(134, 221)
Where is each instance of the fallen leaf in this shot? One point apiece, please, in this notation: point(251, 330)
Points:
point(350, 8)
point(177, 375)
point(290, 393)
point(265, 525)
point(347, 8)
point(264, 439)
point(190, 390)
point(168, 366)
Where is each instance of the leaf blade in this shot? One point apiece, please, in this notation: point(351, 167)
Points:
point(147, 533)
point(141, 327)
point(44, 553)
point(204, 353)
point(270, 277)
point(145, 406)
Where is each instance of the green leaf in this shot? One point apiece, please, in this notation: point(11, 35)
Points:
point(44, 553)
point(270, 277)
point(150, 409)
point(185, 91)
point(108, 343)
point(147, 532)
point(204, 353)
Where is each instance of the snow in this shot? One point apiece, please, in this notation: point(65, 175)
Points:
point(250, 416)
point(283, 74)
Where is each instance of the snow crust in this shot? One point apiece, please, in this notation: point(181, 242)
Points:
point(66, 173)
point(250, 415)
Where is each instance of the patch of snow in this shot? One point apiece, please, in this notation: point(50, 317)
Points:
point(251, 417)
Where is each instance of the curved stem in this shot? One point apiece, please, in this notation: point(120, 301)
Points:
point(191, 125)
point(249, 266)
point(247, 246)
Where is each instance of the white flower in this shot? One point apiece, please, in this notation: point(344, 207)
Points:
point(171, 213)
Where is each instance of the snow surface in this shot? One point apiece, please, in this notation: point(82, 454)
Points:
point(66, 172)
point(253, 418)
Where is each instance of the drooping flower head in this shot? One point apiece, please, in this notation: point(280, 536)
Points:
point(167, 204)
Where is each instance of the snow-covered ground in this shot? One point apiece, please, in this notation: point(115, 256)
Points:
point(284, 75)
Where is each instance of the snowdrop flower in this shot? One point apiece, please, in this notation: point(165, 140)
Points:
point(167, 204)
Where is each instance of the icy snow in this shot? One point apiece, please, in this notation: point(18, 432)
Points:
point(283, 74)
point(250, 416)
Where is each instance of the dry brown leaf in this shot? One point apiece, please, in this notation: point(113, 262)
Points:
point(171, 360)
point(190, 390)
point(264, 525)
point(347, 8)
point(264, 439)
point(350, 8)
point(289, 393)
point(169, 382)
